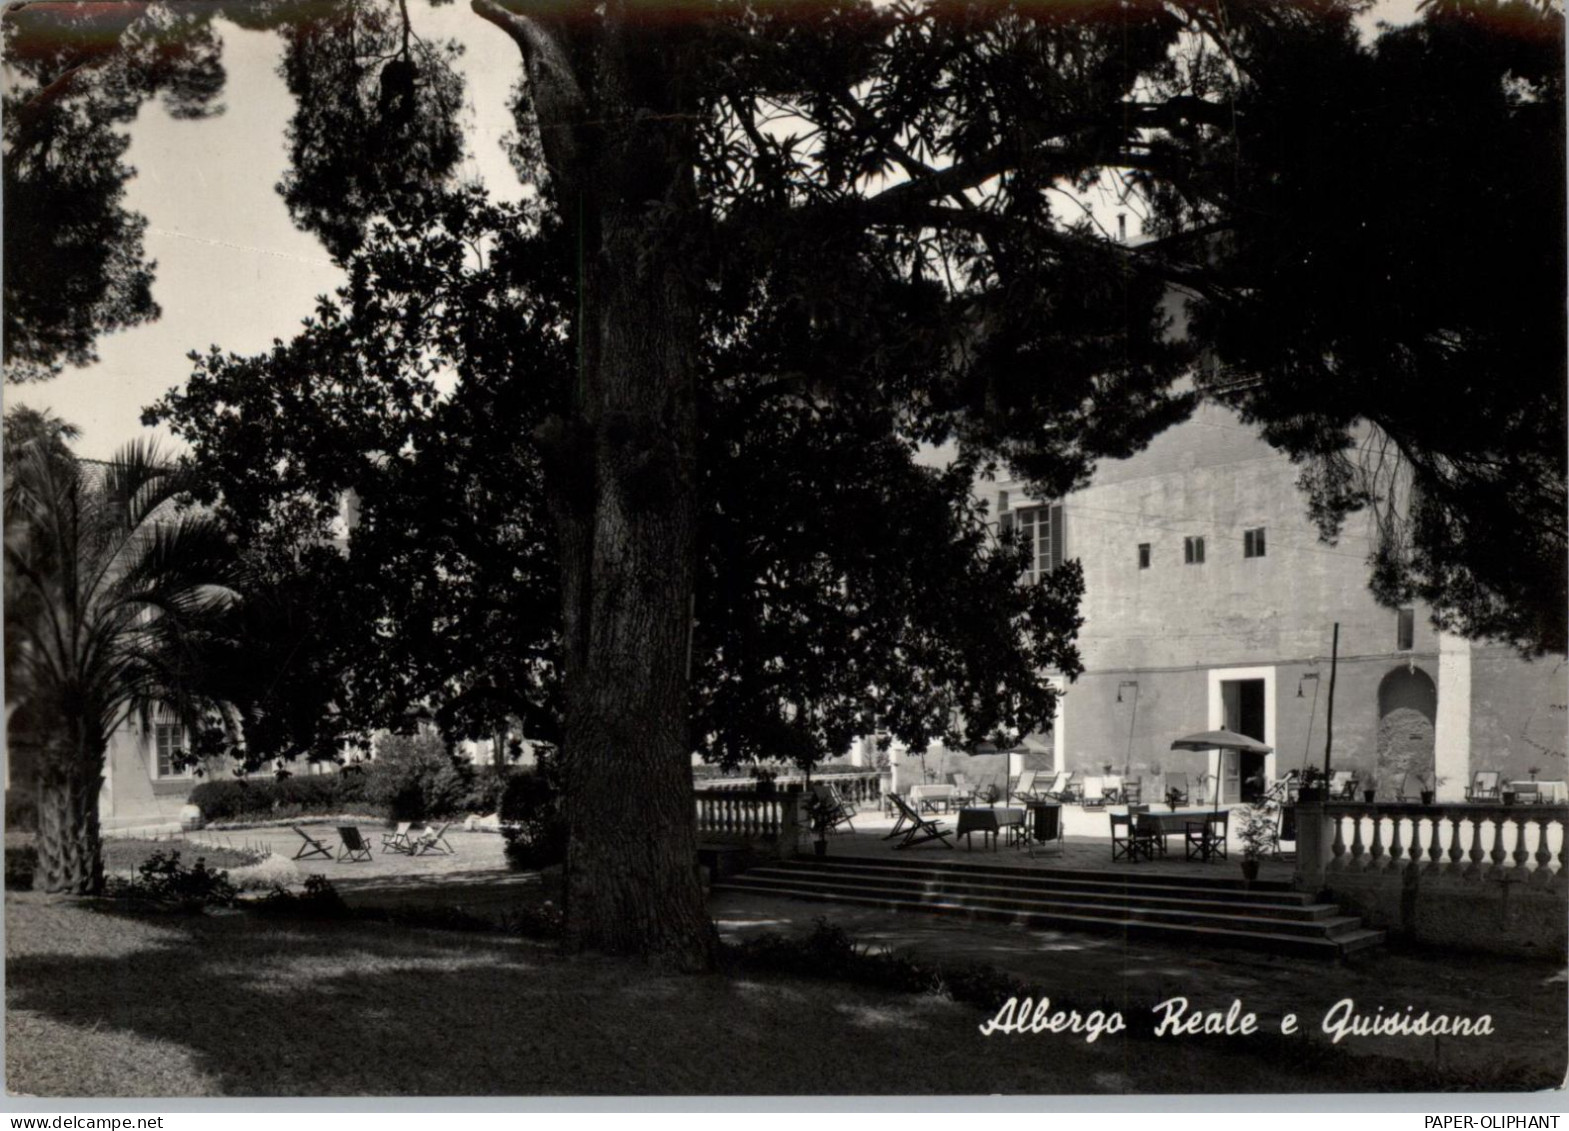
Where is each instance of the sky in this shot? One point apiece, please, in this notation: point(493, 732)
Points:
point(232, 270)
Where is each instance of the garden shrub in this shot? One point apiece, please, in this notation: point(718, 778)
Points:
point(21, 861)
point(532, 819)
point(163, 879)
point(414, 778)
point(232, 800)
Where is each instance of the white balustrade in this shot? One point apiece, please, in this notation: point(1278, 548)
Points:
point(1521, 843)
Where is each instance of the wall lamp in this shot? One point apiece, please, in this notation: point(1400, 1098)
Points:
point(1133, 683)
point(1310, 675)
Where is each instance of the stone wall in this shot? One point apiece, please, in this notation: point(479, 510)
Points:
point(1497, 916)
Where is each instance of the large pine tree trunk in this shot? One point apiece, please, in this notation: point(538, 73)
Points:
point(70, 857)
point(629, 526)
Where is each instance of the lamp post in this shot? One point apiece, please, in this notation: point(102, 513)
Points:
point(1127, 757)
point(1308, 743)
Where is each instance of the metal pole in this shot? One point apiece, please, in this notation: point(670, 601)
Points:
point(1329, 708)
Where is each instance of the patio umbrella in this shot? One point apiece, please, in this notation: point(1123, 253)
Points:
point(1221, 740)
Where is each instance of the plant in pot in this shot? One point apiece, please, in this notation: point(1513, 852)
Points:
point(1173, 798)
point(1370, 789)
point(819, 818)
point(1257, 833)
point(1313, 789)
point(1430, 783)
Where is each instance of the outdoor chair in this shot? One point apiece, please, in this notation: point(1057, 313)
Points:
point(433, 839)
point(1133, 836)
point(1206, 837)
point(921, 829)
point(1527, 793)
point(1148, 833)
point(353, 849)
point(1024, 788)
point(1133, 791)
point(1410, 789)
point(1177, 783)
point(1484, 786)
point(834, 806)
point(398, 839)
point(1343, 786)
point(966, 789)
point(311, 847)
point(1094, 793)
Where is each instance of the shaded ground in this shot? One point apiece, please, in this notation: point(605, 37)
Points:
point(107, 1003)
point(1526, 1000)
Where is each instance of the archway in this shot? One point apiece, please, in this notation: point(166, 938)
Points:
point(1407, 708)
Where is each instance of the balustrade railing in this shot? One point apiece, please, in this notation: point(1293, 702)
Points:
point(863, 788)
point(1522, 843)
point(734, 814)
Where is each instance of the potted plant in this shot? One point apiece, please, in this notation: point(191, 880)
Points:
point(1533, 771)
point(1370, 789)
point(1432, 782)
point(1313, 789)
point(819, 818)
point(1173, 798)
point(1106, 768)
point(1256, 832)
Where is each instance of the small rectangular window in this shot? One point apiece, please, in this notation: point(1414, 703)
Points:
point(1253, 543)
point(1144, 555)
point(1002, 502)
point(1405, 630)
point(1193, 550)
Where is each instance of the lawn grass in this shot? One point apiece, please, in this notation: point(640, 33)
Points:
point(126, 854)
point(105, 1002)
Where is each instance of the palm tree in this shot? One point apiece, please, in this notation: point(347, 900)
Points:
point(109, 587)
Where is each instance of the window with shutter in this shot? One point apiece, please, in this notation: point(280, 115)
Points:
point(1042, 530)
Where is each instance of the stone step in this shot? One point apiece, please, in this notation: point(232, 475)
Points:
point(1323, 926)
point(1183, 934)
point(1005, 888)
point(1019, 879)
point(1266, 916)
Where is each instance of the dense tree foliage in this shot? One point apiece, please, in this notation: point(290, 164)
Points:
point(1388, 300)
point(78, 73)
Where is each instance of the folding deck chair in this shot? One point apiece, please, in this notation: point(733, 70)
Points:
point(311, 847)
point(921, 830)
point(1024, 788)
point(1094, 793)
point(966, 789)
point(398, 839)
point(353, 849)
point(1343, 786)
point(838, 810)
point(433, 839)
point(1058, 789)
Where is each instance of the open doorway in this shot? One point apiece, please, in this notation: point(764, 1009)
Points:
point(1244, 776)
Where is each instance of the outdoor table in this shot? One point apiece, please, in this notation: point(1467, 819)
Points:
point(1548, 792)
point(1174, 822)
point(988, 822)
point(924, 798)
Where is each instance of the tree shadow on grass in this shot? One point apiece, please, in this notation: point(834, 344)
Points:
point(313, 1008)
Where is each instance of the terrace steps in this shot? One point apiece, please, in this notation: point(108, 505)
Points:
point(1185, 910)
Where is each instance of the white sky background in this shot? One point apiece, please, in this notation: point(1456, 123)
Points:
point(232, 270)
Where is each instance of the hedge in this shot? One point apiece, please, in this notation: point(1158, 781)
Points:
point(243, 799)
